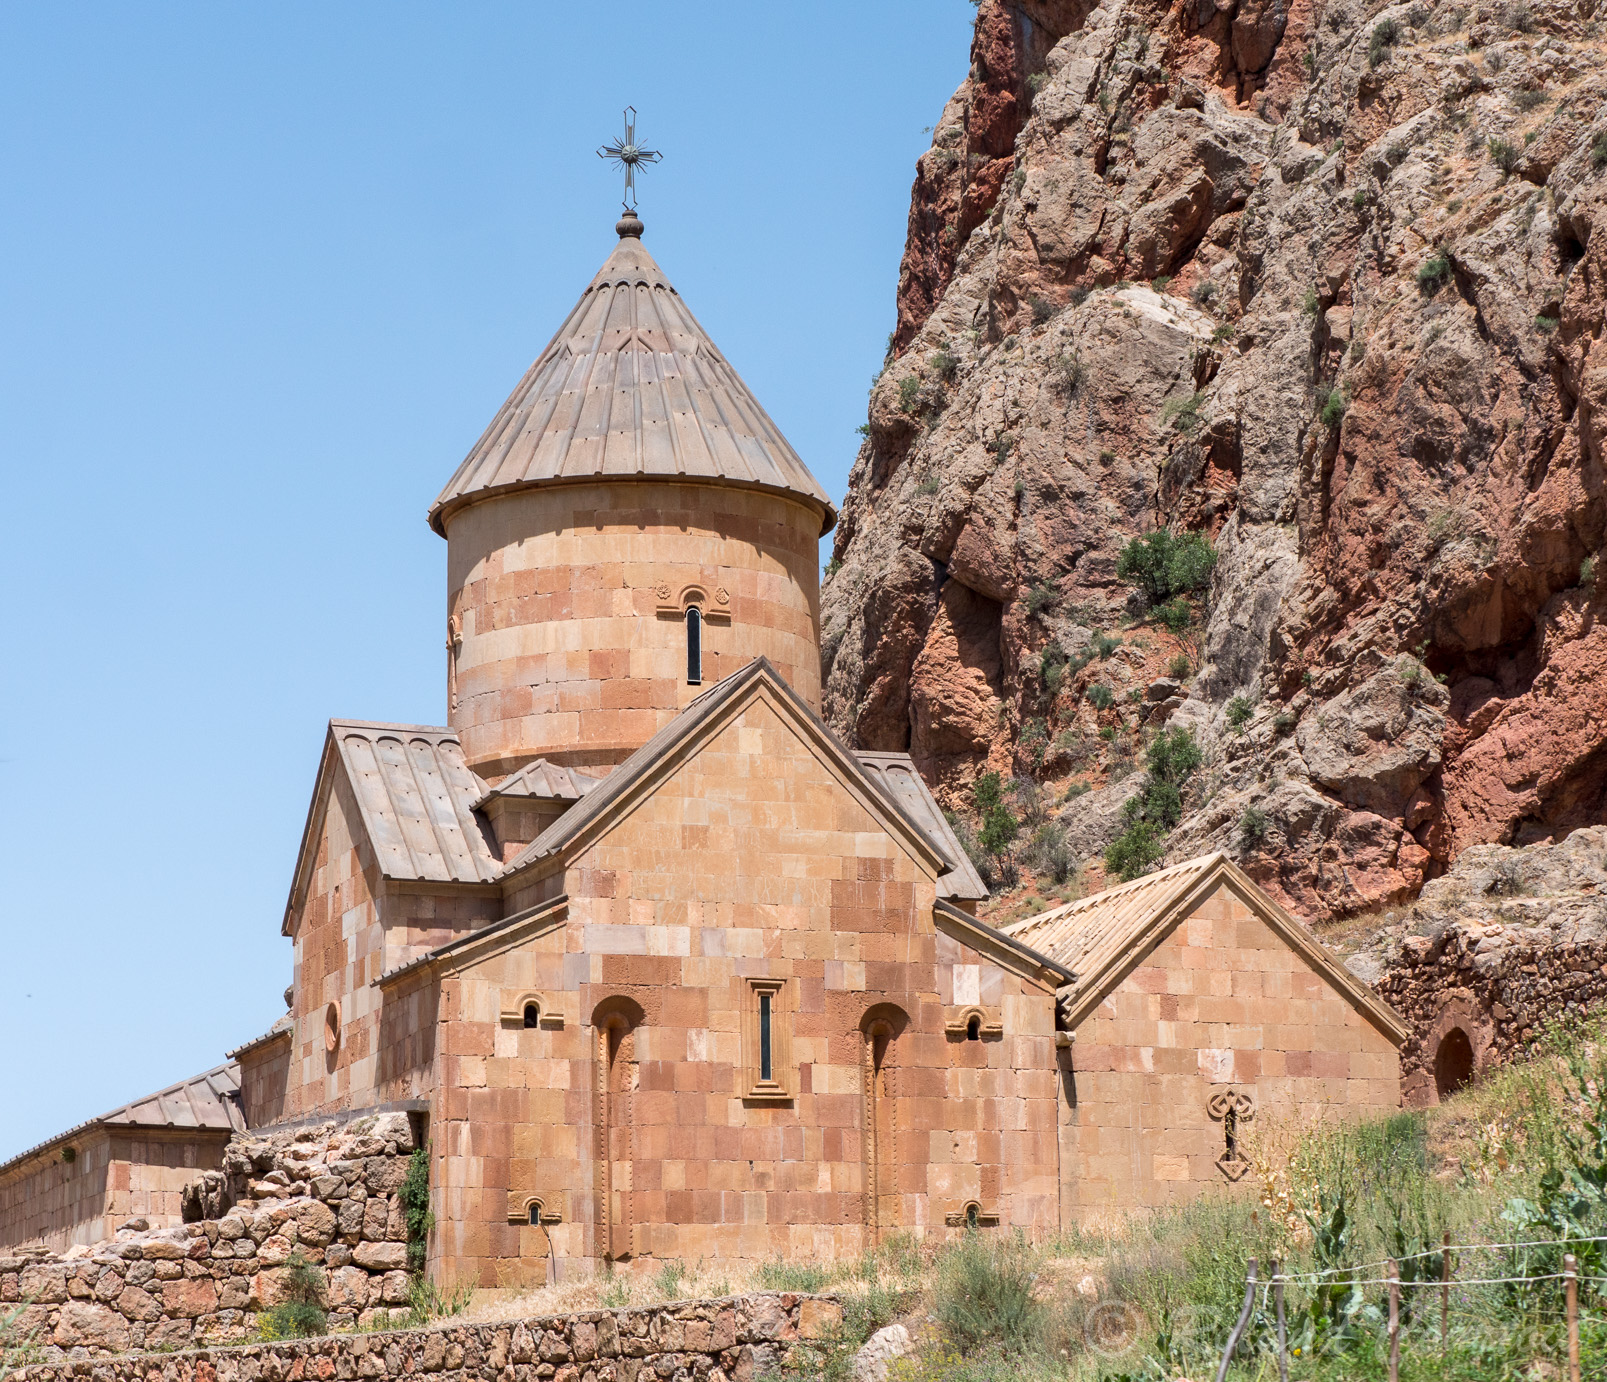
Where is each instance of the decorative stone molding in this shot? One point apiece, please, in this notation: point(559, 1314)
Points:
point(549, 1018)
point(693, 595)
point(957, 1022)
point(520, 1210)
point(972, 1215)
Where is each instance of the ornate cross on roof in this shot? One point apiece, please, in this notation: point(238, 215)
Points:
point(627, 154)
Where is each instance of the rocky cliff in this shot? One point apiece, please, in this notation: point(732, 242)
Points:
point(1318, 279)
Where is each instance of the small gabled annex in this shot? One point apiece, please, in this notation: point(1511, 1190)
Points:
point(1200, 1008)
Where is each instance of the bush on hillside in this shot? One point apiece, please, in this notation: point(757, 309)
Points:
point(1163, 565)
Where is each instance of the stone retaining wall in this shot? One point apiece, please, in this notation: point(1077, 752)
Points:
point(732, 1340)
point(330, 1194)
point(1509, 941)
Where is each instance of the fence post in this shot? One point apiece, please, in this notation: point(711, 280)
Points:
point(1244, 1320)
point(1445, 1290)
point(1570, 1273)
point(1283, 1337)
point(1394, 1321)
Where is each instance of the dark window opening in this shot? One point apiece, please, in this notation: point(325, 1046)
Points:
point(532, 1019)
point(1230, 1134)
point(764, 1037)
point(694, 646)
point(973, 1214)
point(1453, 1063)
point(973, 1028)
point(535, 1211)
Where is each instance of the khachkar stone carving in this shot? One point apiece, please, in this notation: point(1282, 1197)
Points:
point(1230, 1107)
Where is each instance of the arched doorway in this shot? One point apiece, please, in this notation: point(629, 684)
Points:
point(1453, 1063)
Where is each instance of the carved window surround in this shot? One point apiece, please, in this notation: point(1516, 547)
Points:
point(957, 1022)
point(532, 1210)
point(715, 611)
point(513, 1012)
point(972, 1215)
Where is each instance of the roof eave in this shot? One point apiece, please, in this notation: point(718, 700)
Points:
point(443, 509)
point(999, 947)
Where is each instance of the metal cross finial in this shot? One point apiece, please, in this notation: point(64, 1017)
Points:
point(627, 154)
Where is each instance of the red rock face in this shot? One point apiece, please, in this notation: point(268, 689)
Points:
point(1335, 302)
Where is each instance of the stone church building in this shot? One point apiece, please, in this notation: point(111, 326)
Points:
point(663, 969)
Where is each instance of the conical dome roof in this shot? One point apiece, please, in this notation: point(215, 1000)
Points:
point(631, 387)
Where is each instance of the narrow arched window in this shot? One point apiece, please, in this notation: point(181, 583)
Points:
point(973, 1028)
point(973, 1215)
point(532, 1019)
point(694, 645)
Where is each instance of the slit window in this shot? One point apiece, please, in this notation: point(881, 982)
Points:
point(694, 645)
point(767, 1071)
point(532, 1019)
point(973, 1028)
point(535, 1212)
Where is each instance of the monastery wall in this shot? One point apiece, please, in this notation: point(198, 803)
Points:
point(113, 1174)
point(330, 1194)
point(353, 927)
point(569, 602)
point(1223, 1015)
point(737, 1339)
point(634, 1112)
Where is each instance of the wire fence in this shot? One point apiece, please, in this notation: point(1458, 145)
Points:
point(1346, 1277)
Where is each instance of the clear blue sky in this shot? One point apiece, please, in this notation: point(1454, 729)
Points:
point(266, 271)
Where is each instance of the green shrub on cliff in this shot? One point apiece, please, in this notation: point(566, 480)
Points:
point(1158, 806)
point(1164, 565)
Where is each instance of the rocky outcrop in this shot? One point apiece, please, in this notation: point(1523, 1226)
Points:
point(731, 1340)
point(1321, 280)
point(1509, 940)
point(328, 1194)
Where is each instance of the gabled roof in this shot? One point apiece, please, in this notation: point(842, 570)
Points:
point(542, 781)
point(631, 386)
point(416, 796)
point(1105, 936)
point(897, 775)
point(638, 773)
point(208, 1102)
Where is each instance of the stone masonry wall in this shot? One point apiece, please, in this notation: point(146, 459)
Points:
point(731, 1340)
point(1509, 940)
point(330, 1192)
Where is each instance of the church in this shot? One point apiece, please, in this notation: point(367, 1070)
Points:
point(658, 965)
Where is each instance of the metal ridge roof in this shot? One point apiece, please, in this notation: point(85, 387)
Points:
point(1103, 936)
point(897, 775)
point(631, 387)
point(417, 797)
point(205, 1102)
point(1081, 932)
point(542, 781)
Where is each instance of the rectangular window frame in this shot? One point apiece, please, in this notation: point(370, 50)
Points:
point(782, 1084)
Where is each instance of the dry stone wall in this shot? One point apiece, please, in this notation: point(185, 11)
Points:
point(1508, 941)
point(331, 1193)
point(732, 1340)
